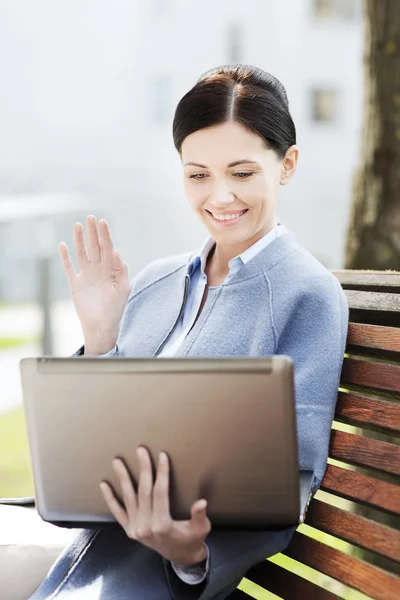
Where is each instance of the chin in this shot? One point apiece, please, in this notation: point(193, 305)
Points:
point(231, 237)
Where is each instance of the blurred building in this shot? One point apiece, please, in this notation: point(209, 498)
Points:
point(91, 91)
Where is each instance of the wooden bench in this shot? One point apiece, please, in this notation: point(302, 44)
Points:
point(364, 464)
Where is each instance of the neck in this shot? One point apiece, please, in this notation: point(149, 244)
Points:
point(218, 262)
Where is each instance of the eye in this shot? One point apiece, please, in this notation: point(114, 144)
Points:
point(197, 176)
point(246, 175)
point(240, 175)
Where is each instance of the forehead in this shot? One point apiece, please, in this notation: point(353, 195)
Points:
point(223, 143)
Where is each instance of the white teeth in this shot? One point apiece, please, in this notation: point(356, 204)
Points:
point(227, 217)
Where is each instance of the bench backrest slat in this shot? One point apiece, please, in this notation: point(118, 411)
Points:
point(374, 336)
point(365, 452)
point(352, 571)
point(369, 280)
point(371, 374)
point(355, 529)
point(370, 413)
point(378, 301)
point(361, 488)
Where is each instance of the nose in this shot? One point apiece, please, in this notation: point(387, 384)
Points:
point(221, 195)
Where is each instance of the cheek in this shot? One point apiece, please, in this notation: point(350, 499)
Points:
point(255, 193)
point(194, 195)
point(259, 196)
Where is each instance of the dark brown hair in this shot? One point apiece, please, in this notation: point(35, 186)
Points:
point(241, 93)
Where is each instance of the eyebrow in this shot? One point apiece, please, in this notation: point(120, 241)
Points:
point(232, 164)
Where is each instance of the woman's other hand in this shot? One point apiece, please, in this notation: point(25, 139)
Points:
point(146, 516)
point(101, 289)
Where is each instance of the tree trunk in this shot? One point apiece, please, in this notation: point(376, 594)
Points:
point(373, 240)
point(373, 237)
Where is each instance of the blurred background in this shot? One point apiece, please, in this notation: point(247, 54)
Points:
point(89, 93)
point(86, 126)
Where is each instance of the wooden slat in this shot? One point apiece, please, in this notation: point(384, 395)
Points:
point(365, 452)
point(369, 373)
point(361, 411)
point(354, 529)
point(360, 277)
point(374, 336)
point(373, 300)
point(286, 584)
point(351, 571)
point(363, 489)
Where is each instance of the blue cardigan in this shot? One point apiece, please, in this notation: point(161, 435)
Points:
point(283, 301)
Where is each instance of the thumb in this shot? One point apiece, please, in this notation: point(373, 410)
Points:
point(198, 512)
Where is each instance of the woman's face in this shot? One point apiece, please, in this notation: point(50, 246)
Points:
point(229, 174)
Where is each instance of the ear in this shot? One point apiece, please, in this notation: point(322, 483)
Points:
point(289, 164)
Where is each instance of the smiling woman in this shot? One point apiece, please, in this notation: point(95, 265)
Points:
point(250, 290)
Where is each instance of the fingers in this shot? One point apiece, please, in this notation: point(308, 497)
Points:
point(145, 516)
point(68, 265)
point(145, 479)
point(128, 492)
point(161, 490)
point(114, 506)
point(80, 249)
point(100, 244)
point(94, 248)
point(106, 243)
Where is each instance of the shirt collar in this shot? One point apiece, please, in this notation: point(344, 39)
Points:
point(200, 258)
point(260, 244)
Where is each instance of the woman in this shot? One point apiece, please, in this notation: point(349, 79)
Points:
point(250, 290)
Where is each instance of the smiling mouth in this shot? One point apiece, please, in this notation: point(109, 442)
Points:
point(228, 218)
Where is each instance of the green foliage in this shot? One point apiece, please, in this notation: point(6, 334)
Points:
point(15, 468)
point(14, 342)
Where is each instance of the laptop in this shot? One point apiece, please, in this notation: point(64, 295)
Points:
point(228, 426)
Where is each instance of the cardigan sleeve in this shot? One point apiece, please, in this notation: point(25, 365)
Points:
point(113, 352)
point(313, 334)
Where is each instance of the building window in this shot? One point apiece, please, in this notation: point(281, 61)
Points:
point(160, 99)
point(234, 44)
point(324, 105)
point(344, 10)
